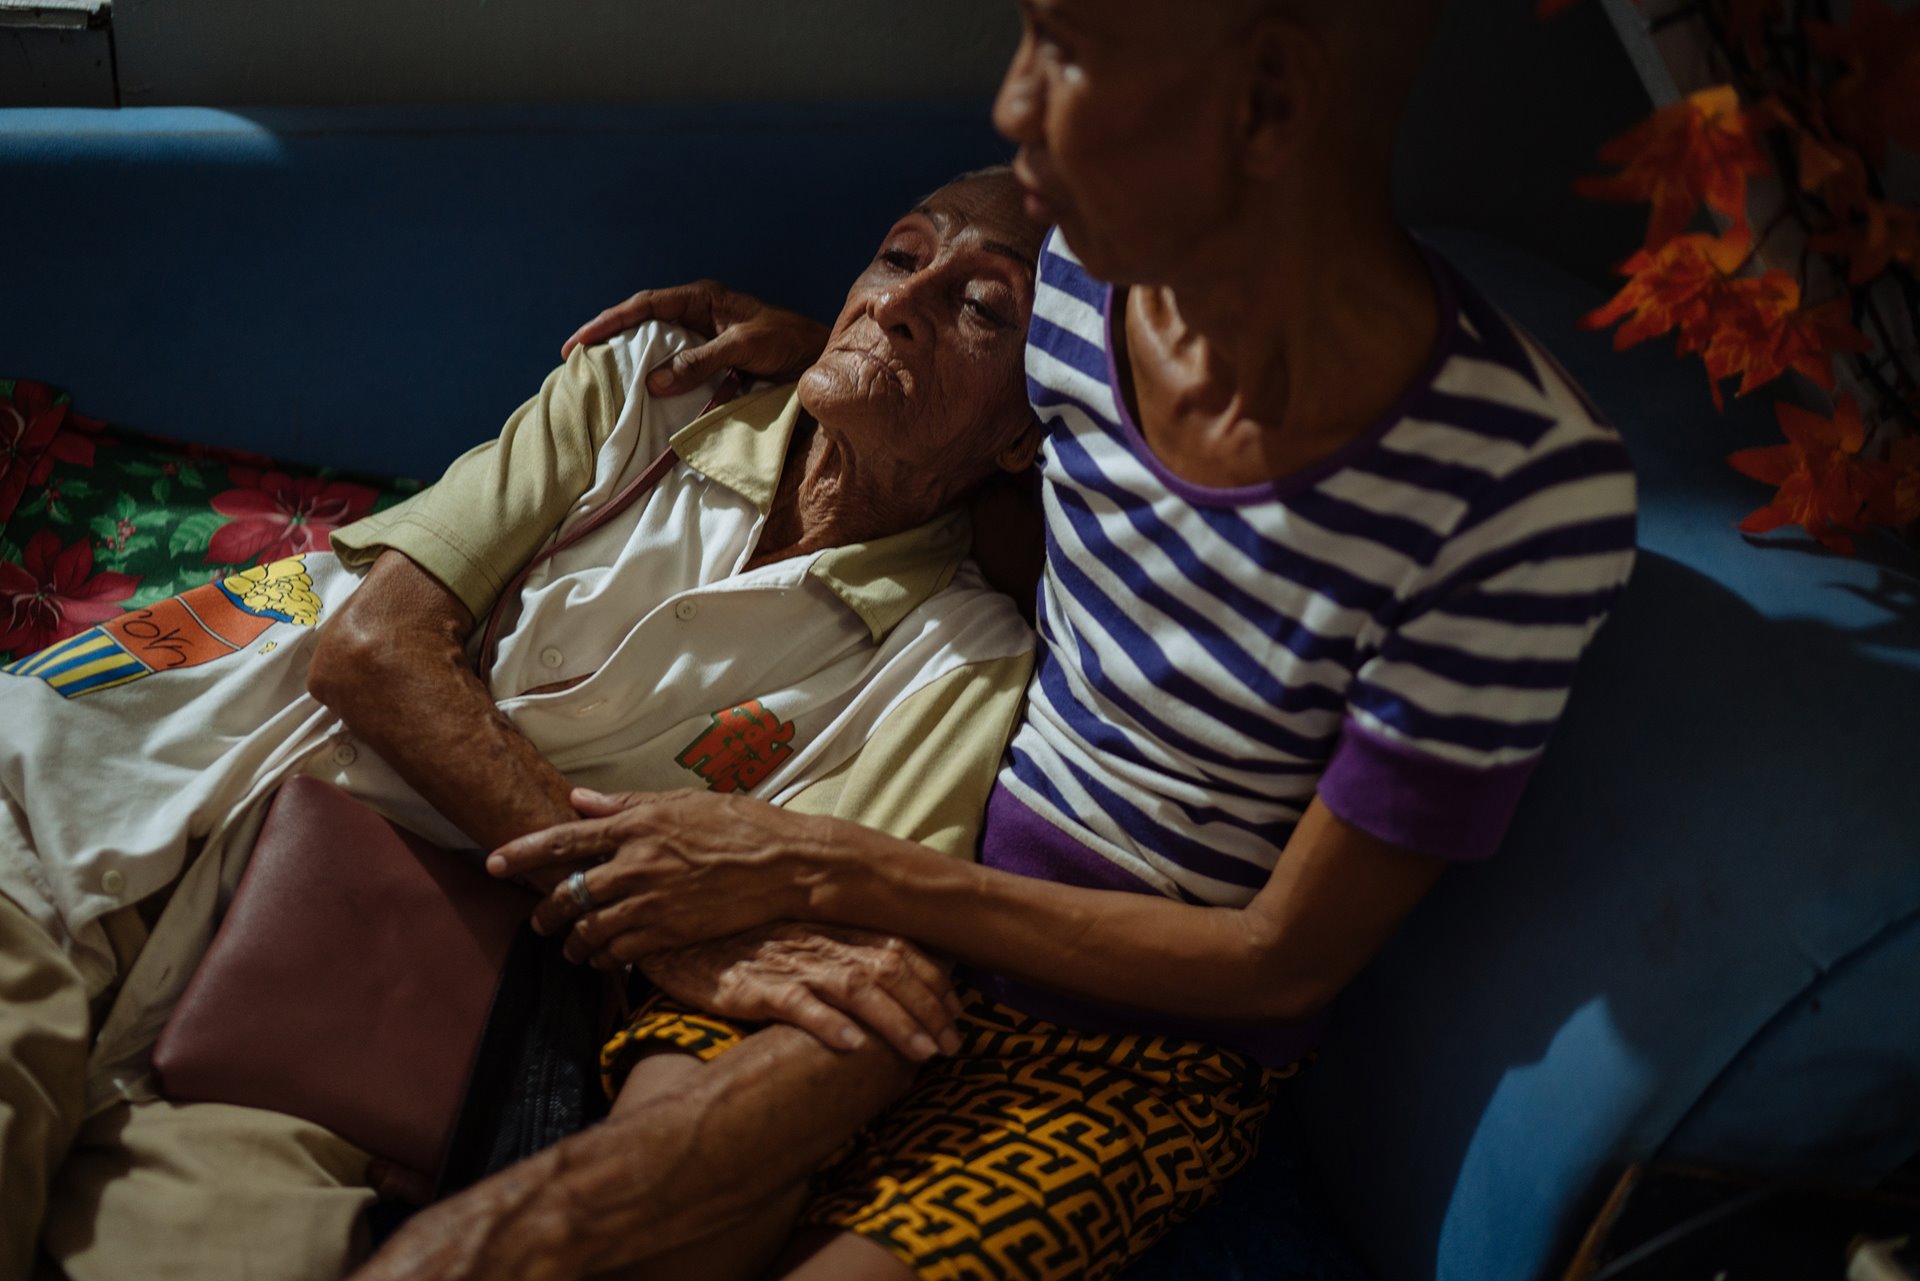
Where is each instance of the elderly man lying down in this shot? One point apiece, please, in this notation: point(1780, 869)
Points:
point(786, 614)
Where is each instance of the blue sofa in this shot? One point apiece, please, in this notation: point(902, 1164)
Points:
point(1702, 939)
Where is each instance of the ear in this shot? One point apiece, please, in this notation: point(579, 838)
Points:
point(1287, 91)
point(1017, 454)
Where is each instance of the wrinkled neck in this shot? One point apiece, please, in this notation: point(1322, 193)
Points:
point(1315, 330)
point(829, 497)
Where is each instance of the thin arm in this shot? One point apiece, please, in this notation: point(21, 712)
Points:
point(1331, 902)
point(392, 662)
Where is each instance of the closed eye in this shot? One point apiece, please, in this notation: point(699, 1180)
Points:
point(987, 314)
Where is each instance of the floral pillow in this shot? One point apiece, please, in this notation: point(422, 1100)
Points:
point(96, 520)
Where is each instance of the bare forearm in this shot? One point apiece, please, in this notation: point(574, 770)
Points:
point(1138, 950)
point(753, 1122)
point(427, 714)
point(392, 662)
point(689, 1165)
point(688, 866)
point(1329, 904)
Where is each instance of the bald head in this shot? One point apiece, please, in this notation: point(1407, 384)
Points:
point(992, 198)
point(1156, 132)
point(1376, 47)
point(1373, 49)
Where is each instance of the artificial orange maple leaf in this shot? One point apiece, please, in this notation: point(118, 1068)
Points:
point(1888, 233)
point(1679, 285)
point(1819, 164)
point(1877, 96)
point(1825, 166)
point(1895, 497)
point(1700, 148)
point(1821, 484)
point(1763, 332)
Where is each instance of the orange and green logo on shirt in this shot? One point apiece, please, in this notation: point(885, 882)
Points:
point(740, 748)
point(187, 630)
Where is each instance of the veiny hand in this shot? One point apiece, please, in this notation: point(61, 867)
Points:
point(483, 1234)
point(815, 977)
point(680, 868)
point(747, 334)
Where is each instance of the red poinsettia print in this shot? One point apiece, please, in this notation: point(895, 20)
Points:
point(53, 594)
point(38, 428)
point(276, 515)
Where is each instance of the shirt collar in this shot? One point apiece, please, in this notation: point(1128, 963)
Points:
point(743, 445)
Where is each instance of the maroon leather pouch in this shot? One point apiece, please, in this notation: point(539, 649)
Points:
point(349, 983)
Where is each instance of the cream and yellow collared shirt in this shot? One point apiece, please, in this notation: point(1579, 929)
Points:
point(878, 681)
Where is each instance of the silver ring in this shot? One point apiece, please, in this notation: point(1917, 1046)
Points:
point(577, 887)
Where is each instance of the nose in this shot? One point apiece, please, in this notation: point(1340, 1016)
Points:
point(1016, 108)
point(900, 308)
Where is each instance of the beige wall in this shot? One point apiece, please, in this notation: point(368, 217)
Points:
point(224, 52)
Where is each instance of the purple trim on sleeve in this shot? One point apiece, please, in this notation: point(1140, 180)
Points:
point(1018, 840)
point(1418, 801)
point(1021, 842)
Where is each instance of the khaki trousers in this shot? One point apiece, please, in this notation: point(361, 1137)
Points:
point(149, 1190)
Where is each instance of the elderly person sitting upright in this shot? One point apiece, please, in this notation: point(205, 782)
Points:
point(785, 614)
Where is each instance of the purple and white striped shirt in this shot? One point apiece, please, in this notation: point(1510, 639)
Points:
point(1393, 628)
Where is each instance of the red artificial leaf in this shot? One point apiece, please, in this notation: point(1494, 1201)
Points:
point(1887, 233)
point(1750, 327)
point(1895, 497)
point(1680, 285)
point(1877, 94)
point(1825, 165)
point(1767, 333)
point(1703, 147)
point(1821, 484)
point(1819, 164)
point(1549, 8)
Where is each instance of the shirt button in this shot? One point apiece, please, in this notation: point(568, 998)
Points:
point(685, 610)
point(114, 882)
point(345, 754)
point(551, 657)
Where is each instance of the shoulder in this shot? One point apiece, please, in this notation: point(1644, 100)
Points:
point(1059, 269)
point(970, 618)
point(1069, 316)
point(631, 355)
point(1521, 444)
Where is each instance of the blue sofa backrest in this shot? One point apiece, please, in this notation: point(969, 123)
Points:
point(381, 287)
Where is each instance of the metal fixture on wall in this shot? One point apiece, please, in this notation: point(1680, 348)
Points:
point(57, 53)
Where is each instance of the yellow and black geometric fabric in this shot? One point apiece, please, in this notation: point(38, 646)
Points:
point(662, 1024)
point(1042, 1153)
point(1036, 1152)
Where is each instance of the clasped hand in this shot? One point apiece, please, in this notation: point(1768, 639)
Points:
point(703, 892)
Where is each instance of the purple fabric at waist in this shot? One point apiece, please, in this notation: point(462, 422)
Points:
point(1019, 841)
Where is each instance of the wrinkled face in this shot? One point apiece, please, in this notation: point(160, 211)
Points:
point(924, 366)
point(1125, 112)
